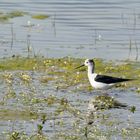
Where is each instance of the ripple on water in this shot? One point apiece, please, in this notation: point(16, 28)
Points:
point(92, 24)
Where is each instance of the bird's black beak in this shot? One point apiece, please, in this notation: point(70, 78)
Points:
point(80, 66)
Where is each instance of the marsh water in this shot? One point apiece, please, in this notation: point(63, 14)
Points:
point(77, 28)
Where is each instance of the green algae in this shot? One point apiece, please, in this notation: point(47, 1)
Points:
point(132, 109)
point(16, 135)
point(17, 13)
point(4, 17)
point(64, 68)
point(18, 64)
point(7, 114)
point(40, 16)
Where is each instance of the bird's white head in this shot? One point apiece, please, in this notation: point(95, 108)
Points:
point(89, 62)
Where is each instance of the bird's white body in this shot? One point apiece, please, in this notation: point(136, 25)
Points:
point(94, 84)
point(98, 85)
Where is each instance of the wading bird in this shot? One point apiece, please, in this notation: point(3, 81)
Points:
point(100, 81)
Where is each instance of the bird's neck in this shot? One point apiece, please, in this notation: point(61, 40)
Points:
point(90, 69)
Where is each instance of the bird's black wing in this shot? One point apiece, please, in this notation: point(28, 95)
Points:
point(109, 79)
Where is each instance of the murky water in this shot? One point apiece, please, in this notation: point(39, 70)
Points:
point(76, 28)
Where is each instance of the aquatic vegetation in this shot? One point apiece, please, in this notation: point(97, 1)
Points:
point(25, 77)
point(105, 102)
point(51, 100)
point(18, 64)
point(44, 118)
point(4, 17)
point(8, 77)
point(40, 16)
point(7, 114)
point(47, 90)
point(14, 14)
point(64, 68)
point(138, 90)
point(15, 135)
point(40, 127)
point(46, 79)
point(133, 109)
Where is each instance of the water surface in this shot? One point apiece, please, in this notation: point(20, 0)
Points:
point(75, 28)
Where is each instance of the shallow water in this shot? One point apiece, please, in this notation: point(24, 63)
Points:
point(16, 108)
point(75, 28)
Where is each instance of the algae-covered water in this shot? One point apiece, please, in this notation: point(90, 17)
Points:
point(42, 95)
point(45, 98)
